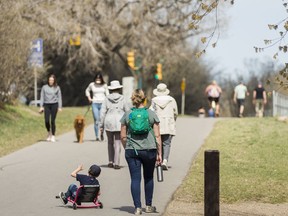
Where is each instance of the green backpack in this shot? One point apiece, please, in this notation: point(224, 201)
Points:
point(139, 121)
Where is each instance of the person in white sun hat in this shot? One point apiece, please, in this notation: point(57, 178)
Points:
point(166, 109)
point(112, 110)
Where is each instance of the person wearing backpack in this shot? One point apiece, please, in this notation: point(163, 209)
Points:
point(111, 112)
point(140, 136)
point(166, 109)
point(213, 91)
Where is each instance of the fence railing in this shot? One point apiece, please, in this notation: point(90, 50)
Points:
point(280, 104)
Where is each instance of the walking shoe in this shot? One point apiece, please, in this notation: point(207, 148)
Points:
point(49, 137)
point(138, 211)
point(150, 209)
point(97, 139)
point(165, 164)
point(110, 165)
point(117, 167)
point(53, 138)
point(63, 198)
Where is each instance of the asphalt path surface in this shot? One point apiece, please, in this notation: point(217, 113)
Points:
point(31, 178)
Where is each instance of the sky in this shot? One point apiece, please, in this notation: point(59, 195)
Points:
point(247, 27)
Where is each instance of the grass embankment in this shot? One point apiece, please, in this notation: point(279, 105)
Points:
point(253, 163)
point(21, 126)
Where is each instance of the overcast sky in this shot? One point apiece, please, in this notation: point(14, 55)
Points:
point(248, 27)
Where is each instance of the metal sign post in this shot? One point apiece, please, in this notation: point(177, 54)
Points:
point(183, 87)
point(35, 85)
point(36, 61)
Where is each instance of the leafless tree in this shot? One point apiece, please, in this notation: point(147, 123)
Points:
point(157, 30)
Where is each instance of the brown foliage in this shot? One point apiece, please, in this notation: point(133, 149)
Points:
point(156, 30)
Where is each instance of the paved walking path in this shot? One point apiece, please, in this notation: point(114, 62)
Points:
point(30, 178)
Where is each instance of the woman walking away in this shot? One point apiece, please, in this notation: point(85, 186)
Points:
point(99, 91)
point(50, 103)
point(166, 109)
point(111, 112)
point(141, 139)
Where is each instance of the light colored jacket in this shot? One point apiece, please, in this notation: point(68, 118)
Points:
point(166, 109)
point(112, 110)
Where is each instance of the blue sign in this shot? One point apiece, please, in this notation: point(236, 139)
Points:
point(36, 55)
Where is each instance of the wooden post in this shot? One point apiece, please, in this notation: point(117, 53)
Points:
point(211, 176)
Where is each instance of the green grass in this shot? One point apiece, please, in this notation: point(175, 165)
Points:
point(253, 162)
point(21, 126)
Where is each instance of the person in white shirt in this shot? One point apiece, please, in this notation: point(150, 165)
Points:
point(99, 91)
point(240, 93)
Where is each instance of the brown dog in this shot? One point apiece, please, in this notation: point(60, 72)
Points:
point(79, 124)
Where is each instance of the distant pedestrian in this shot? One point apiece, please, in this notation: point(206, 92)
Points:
point(240, 93)
point(201, 112)
point(50, 103)
point(99, 90)
point(166, 109)
point(213, 92)
point(90, 179)
point(112, 110)
point(259, 99)
point(141, 139)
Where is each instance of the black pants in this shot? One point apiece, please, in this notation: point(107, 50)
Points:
point(50, 112)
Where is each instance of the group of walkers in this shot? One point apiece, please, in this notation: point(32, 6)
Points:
point(214, 91)
point(145, 133)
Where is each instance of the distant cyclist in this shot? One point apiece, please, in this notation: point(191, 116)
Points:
point(213, 91)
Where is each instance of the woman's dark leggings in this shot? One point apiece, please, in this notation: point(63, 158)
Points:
point(147, 160)
point(50, 111)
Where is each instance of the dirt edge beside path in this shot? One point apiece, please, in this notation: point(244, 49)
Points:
point(240, 209)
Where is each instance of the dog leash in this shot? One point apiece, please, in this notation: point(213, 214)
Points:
point(87, 110)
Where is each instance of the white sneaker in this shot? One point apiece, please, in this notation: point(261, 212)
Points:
point(53, 138)
point(150, 209)
point(49, 137)
point(138, 211)
point(165, 164)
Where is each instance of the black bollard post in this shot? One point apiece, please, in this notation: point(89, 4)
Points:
point(211, 178)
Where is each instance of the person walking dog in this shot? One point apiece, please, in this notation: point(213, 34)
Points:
point(99, 91)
